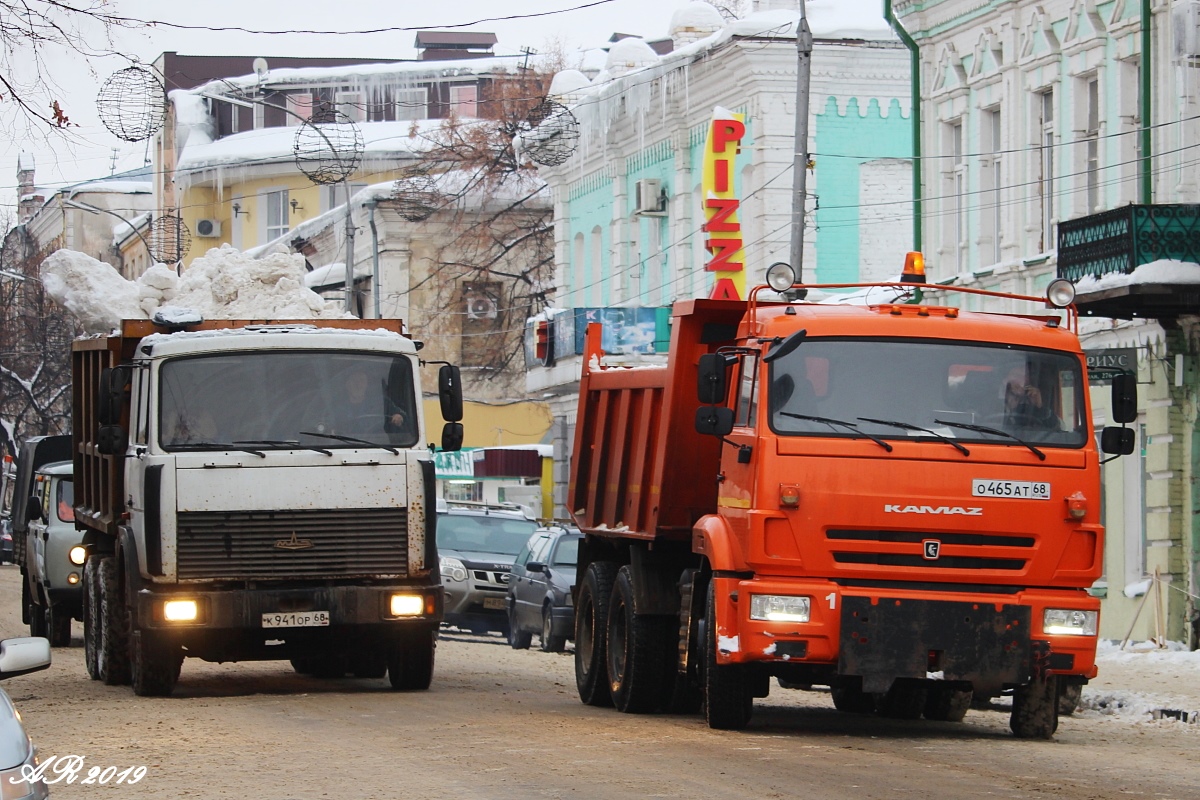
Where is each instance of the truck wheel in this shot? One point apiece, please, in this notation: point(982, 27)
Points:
point(1068, 698)
point(91, 617)
point(636, 671)
point(591, 623)
point(1035, 709)
point(728, 700)
point(369, 664)
point(58, 626)
point(905, 700)
point(849, 697)
point(550, 642)
point(153, 664)
point(303, 666)
point(947, 702)
point(517, 638)
point(112, 657)
point(410, 664)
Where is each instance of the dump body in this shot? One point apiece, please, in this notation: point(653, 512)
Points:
point(257, 490)
point(883, 511)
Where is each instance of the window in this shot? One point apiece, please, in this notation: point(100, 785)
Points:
point(277, 214)
point(300, 108)
point(747, 393)
point(352, 105)
point(412, 103)
point(566, 554)
point(1044, 111)
point(1091, 139)
point(335, 194)
point(992, 180)
point(464, 100)
point(960, 195)
point(65, 505)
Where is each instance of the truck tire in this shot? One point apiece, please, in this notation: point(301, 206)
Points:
point(91, 618)
point(369, 664)
point(517, 638)
point(58, 626)
point(549, 642)
point(302, 666)
point(410, 664)
point(34, 613)
point(849, 697)
point(947, 702)
point(636, 672)
point(154, 664)
point(905, 700)
point(1068, 698)
point(728, 699)
point(1035, 709)
point(112, 655)
point(591, 623)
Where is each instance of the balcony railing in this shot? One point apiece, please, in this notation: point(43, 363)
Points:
point(1119, 241)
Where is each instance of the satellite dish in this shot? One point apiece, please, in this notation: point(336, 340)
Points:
point(260, 68)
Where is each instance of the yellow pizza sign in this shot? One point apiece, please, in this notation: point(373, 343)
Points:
point(723, 232)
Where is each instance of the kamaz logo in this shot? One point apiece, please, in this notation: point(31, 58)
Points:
point(931, 549)
point(943, 510)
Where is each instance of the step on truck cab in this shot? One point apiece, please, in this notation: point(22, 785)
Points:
point(899, 501)
point(255, 491)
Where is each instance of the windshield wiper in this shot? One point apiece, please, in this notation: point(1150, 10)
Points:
point(285, 443)
point(844, 424)
point(353, 440)
point(908, 426)
point(217, 446)
point(995, 432)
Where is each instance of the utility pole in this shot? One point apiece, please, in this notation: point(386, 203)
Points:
point(800, 160)
point(349, 250)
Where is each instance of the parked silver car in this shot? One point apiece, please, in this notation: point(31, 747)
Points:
point(17, 753)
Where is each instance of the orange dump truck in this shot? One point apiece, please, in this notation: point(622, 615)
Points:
point(898, 501)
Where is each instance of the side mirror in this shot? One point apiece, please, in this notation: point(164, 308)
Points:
point(786, 346)
point(714, 420)
point(33, 509)
point(1124, 398)
point(711, 384)
point(23, 655)
point(452, 437)
point(535, 566)
point(112, 440)
point(450, 394)
point(1117, 441)
point(112, 390)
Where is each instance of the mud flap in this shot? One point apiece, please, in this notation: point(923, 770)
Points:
point(906, 638)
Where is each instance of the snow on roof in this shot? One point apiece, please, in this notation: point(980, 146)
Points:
point(113, 185)
point(1161, 271)
point(697, 16)
point(123, 230)
point(25, 161)
point(334, 275)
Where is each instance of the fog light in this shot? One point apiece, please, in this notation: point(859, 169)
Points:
point(780, 276)
point(407, 605)
point(1069, 622)
point(77, 555)
point(789, 496)
point(73, 578)
point(779, 608)
point(1060, 293)
point(180, 611)
point(1076, 506)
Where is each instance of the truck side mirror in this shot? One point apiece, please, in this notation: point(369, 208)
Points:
point(450, 394)
point(1117, 441)
point(33, 508)
point(452, 437)
point(711, 385)
point(714, 420)
point(112, 388)
point(1124, 398)
point(112, 440)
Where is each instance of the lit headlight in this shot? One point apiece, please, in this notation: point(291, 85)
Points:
point(180, 611)
point(453, 569)
point(779, 608)
point(77, 555)
point(407, 605)
point(1069, 622)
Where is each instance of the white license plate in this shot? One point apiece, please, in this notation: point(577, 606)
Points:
point(493, 602)
point(303, 619)
point(1019, 490)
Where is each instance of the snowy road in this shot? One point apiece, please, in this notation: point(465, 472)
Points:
point(500, 723)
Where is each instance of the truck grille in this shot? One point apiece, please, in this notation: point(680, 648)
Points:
point(973, 551)
point(291, 544)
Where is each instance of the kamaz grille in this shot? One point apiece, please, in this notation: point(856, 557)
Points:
point(972, 551)
point(292, 544)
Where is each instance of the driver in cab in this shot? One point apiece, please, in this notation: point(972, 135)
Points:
point(1024, 404)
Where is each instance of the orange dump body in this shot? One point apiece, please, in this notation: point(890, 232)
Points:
point(934, 551)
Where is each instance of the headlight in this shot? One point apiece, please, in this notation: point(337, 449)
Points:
point(1069, 622)
point(1060, 293)
point(14, 784)
point(780, 276)
point(453, 569)
point(779, 608)
point(77, 555)
point(180, 611)
point(407, 605)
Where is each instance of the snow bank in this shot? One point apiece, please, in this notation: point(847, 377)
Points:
point(224, 283)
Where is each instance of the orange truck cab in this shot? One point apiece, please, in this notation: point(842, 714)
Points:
point(899, 501)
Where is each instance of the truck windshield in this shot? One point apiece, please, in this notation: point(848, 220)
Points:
point(281, 400)
point(922, 389)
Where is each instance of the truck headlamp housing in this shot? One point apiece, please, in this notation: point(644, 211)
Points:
point(779, 608)
point(407, 605)
point(180, 611)
point(780, 276)
point(1060, 293)
point(1069, 622)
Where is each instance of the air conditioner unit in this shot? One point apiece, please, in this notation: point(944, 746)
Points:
point(208, 227)
point(1186, 25)
point(649, 197)
point(481, 306)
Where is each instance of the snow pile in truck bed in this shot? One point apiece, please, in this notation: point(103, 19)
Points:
point(224, 283)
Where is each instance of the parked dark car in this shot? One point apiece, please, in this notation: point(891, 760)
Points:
point(539, 595)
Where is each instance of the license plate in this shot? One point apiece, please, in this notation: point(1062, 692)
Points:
point(493, 602)
point(1020, 490)
point(303, 619)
